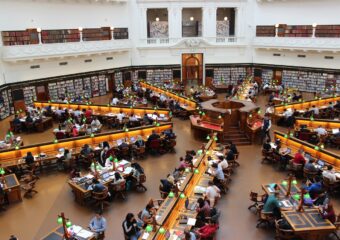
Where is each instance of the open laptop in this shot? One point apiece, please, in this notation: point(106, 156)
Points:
point(162, 115)
point(335, 131)
point(288, 151)
point(133, 139)
point(321, 163)
point(119, 142)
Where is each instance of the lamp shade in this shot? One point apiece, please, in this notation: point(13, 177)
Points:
point(59, 220)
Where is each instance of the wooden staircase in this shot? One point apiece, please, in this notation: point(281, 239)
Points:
point(237, 136)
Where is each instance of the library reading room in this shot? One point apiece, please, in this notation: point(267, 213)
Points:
point(169, 120)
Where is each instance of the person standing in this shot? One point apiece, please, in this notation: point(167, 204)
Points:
point(266, 125)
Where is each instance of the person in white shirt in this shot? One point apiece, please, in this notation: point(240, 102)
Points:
point(315, 110)
point(133, 118)
point(212, 193)
point(321, 131)
point(269, 110)
point(223, 163)
point(162, 98)
point(330, 174)
point(287, 113)
point(96, 123)
point(59, 112)
point(77, 113)
point(114, 101)
point(120, 116)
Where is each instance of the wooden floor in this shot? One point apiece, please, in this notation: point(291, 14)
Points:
point(33, 218)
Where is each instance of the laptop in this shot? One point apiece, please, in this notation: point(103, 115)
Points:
point(61, 149)
point(133, 139)
point(335, 131)
point(162, 115)
point(289, 150)
point(320, 163)
point(119, 142)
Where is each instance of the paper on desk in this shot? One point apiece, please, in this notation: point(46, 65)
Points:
point(85, 234)
point(145, 235)
point(191, 221)
point(76, 229)
point(128, 170)
point(123, 162)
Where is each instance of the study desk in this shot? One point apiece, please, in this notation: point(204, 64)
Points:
point(169, 94)
point(12, 146)
point(41, 125)
point(12, 188)
point(309, 224)
point(282, 189)
point(327, 124)
point(302, 106)
point(58, 233)
point(12, 158)
point(318, 153)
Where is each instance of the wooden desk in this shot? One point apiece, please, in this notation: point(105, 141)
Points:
point(327, 124)
point(12, 188)
point(58, 233)
point(282, 189)
point(318, 153)
point(205, 126)
point(12, 158)
point(14, 144)
point(44, 124)
point(169, 94)
point(309, 224)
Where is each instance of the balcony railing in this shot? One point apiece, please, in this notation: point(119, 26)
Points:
point(193, 41)
point(304, 43)
point(44, 51)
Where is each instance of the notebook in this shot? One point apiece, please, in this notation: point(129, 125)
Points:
point(335, 131)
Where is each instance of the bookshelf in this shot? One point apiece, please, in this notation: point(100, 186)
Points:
point(158, 76)
point(102, 82)
point(265, 31)
point(23, 37)
point(221, 76)
point(118, 79)
point(95, 86)
point(87, 87)
point(53, 91)
point(121, 33)
point(135, 79)
point(78, 86)
point(30, 95)
point(237, 74)
point(304, 81)
point(96, 34)
point(60, 36)
point(267, 76)
point(298, 31)
point(329, 31)
point(5, 106)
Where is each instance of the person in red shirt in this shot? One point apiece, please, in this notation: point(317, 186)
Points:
point(88, 113)
point(298, 158)
point(75, 131)
point(208, 230)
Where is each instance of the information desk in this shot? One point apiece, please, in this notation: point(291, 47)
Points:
point(182, 100)
point(302, 106)
point(168, 214)
point(309, 224)
point(318, 153)
point(12, 188)
point(329, 125)
point(51, 149)
point(207, 127)
point(79, 232)
point(103, 109)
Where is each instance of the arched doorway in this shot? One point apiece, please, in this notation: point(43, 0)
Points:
point(192, 69)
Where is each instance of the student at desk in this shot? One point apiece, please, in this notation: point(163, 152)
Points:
point(29, 160)
point(97, 186)
point(98, 225)
point(189, 235)
point(203, 211)
point(140, 142)
point(310, 166)
point(315, 110)
point(298, 158)
point(272, 205)
point(96, 123)
point(130, 227)
point(330, 174)
point(315, 188)
point(321, 131)
point(103, 156)
point(212, 193)
point(147, 215)
point(208, 230)
point(153, 136)
point(266, 146)
point(328, 212)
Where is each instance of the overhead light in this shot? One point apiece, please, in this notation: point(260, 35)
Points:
point(315, 25)
point(38, 30)
point(225, 18)
point(277, 25)
point(80, 29)
point(157, 19)
point(191, 18)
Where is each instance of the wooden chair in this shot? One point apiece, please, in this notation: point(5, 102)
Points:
point(139, 152)
point(283, 234)
point(297, 169)
point(29, 189)
point(224, 186)
point(329, 187)
point(234, 163)
point(125, 153)
point(100, 198)
point(337, 225)
point(118, 189)
point(29, 126)
point(139, 185)
point(310, 175)
point(267, 156)
point(155, 146)
point(256, 200)
point(265, 218)
point(162, 193)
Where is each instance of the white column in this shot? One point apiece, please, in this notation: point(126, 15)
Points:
point(143, 23)
point(237, 23)
point(177, 22)
point(171, 21)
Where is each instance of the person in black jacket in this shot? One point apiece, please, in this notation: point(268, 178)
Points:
point(130, 228)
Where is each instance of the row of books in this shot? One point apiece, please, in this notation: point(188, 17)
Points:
point(228, 75)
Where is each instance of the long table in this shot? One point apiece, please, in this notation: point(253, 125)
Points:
point(327, 124)
point(41, 126)
point(172, 208)
point(15, 157)
point(58, 233)
point(104, 109)
point(182, 100)
point(318, 153)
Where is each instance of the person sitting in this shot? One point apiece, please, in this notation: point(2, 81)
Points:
point(272, 204)
point(103, 156)
point(130, 227)
point(223, 163)
point(208, 230)
point(97, 186)
point(96, 123)
point(88, 113)
point(147, 120)
point(315, 188)
point(59, 112)
point(321, 131)
point(233, 147)
point(310, 166)
point(123, 145)
point(330, 105)
point(153, 136)
point(189, 235)
point(29, 119)
point(29, 159)
point(17, 123)
point(147, 215)
point(86, 153)
point(75, 132)
point(120, 116)
point(178, 173)
point(203, 211)
point(298, 158)
point(167, 185)
point(337, 105)
point(169, 134)
point(229, 154)
point(328, 212)
point(217, 172)
point(212, 193)
point(98, 224)
point(114, 101)
point(140, 142)
point(133, 118)
point(330, 174)
point(315, 110)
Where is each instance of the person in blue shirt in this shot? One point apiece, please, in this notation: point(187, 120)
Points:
point(97, 186)
point(272, 205)
point(315, 188)
point(98, 225)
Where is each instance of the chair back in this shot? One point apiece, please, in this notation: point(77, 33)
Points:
point(59, 135)
point(283, 233)
point(253, 196)
point(297, 167)
point(162, 193)
point(141, 150)
point(326, 182)
point(100, 196)
point(119, 186)
point(142, 178)
point(155, 144)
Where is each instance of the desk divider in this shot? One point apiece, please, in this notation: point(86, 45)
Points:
point(327, 124)
point(316, 152)
point(278, 109)
point(175, 96)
